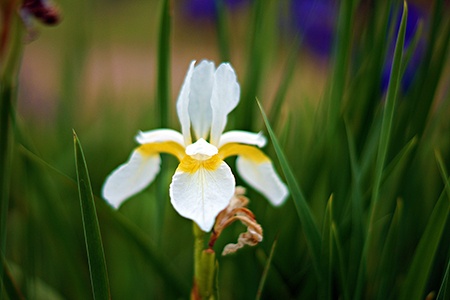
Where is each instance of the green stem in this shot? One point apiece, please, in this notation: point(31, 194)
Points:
point(205, 268)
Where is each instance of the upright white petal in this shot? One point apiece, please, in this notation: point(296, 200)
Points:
point(183, 105)
point(200, 196)
point(200, 111)
point(243, 137)
point(160, 135)
point(225, 97)
point(263, 177)
point(130, 178)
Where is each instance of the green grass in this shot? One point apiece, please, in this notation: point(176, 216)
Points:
point(368, 215)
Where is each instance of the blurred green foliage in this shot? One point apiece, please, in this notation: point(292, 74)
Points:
point(381, 218)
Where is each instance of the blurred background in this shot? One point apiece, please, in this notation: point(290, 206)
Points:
point(96, 72)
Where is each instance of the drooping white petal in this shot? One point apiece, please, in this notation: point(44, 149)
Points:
point(243, 137)
point(200, 111)
point(160, 135)
point(131, 177)
point(183, 105)
point(200, 196)
point(224, 98)
point(263, 177)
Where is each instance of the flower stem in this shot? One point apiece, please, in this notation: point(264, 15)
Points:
point(205, 268)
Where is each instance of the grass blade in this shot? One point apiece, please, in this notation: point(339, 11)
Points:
point(444, 290)
point(385, 134)
point(222, 30)
point(163, 100)
point(310, 228)
point(94, 246)
point(9, 68)
point(266, 270)
point(8, 284)
point(422, 263)
point(163, 78)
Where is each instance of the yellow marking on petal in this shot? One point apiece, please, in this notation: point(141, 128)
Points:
point(191, 165)
point(250, 152)
point(165, 147)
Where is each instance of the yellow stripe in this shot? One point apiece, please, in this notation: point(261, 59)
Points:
point(191, 165)
point(250, 152)
point(165, 147)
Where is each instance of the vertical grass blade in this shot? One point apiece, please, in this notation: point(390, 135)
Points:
point(222, 30)
point(8, 285)
point(163, 101)
point(94, 246)
point(388, 114)
point(163, 78)
point(418, 274)
point(309, 225)
point(262, 282)
point(444, 290)
point(9, 69)
point(385, 134)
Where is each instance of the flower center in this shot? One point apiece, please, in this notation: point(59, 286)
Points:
point(201, 150)
point(201, 154)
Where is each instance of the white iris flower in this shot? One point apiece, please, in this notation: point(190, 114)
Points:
point(203, 183)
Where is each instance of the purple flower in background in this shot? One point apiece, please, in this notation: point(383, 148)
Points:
point(206, 9)
point(415, 15)
point(315, 20)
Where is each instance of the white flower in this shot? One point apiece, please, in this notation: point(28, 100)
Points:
point(203, 183)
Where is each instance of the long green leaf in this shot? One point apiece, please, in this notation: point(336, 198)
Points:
point(222, 30)
point(94, 246)
point(262, 282)
point(444, 290)
point(9, 69)
point(385, 134)
point(8, 285)
point(309, 225)
point(163, 79)
point(163, 100)
point(418, 274)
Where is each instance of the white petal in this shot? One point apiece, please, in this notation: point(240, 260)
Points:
point(201, 150)
point(224, 98)
point(200, 111)
point(243, 137)
point(200, 196)
point(263, 177)
point(159, 136)
point(130, 178)
point(183, 105)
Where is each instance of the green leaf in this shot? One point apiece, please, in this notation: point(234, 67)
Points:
point(385, 135)
point(93, 239)
point(222, 30)
point(309, 225)
point(163, 100)
point(8, 285)
point(444, 290)
point(262, 282)
point(163, 71)
point(386, 269)
point(418, 274)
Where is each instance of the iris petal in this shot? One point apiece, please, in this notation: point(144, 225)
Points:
point(160, 135)
point(200, 196)
point(131, 177)
point(243, 137)
point(183, 105)
point(200, 111)
point(257, 170)
point(263, 177)
point(224, 98)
